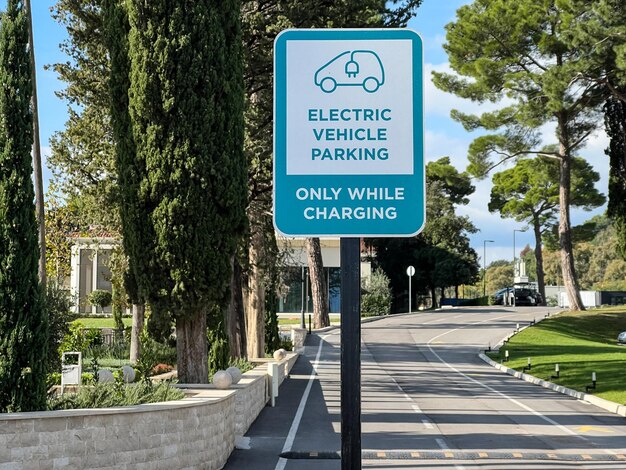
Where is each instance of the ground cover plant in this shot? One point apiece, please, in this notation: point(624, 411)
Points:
point(116, 394)
point(581, 343)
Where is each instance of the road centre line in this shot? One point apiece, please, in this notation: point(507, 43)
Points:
point(291, 436)
point(503, 395)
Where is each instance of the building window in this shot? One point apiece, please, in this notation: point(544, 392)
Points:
point(93, 273)
point(295, 279)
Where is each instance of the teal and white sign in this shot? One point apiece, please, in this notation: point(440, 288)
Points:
point(348, 133)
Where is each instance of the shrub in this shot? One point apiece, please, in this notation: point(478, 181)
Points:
point(116, 394)
point(100, 298)
point(242, 364)
point(286, 344)
point(153, 353)
point(75, 339)
point(219, 350)
point(58, 306)
point(376, 295)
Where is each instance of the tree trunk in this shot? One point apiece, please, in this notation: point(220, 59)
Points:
point(433, 297)
point(191, 349)
point(235, 317)
point(319, 292)
point(38, 178)
point(255, 298)
point(541, 283)
point(570, 281)
point(139, 311)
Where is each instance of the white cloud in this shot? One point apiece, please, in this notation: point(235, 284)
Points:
point(438, 144)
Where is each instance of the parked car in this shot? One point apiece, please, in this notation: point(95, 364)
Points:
point(621, 338)
point(525, 294)
point(500, 295)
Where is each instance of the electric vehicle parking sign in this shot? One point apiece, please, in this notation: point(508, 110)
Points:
point(348, 133)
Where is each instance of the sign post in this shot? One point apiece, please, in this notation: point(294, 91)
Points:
point(348, 161)
point(410, 271)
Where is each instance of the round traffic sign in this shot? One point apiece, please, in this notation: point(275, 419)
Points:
point(410, 271)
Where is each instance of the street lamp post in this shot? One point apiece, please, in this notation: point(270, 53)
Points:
point(514, 258)
point(302, 324)
point(514, 252)
point(485, 265)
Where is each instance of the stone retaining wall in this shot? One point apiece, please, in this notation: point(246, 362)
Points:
point(196, 432)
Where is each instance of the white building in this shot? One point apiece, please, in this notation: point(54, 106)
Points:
point(90, 271)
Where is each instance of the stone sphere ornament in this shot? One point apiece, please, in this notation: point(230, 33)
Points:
point(280, 354)
point(105, 376)
point(128, 374)
point(222, 380)
point(235, 374)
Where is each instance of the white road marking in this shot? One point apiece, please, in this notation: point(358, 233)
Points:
point(442, 444)
point(428, 424)
point(291, 436)
point(503, 395)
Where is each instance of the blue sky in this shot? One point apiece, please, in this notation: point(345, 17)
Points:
point(443, 137)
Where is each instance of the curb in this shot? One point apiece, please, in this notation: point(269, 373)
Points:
point(594, 400)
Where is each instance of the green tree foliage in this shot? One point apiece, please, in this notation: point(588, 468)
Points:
point(529, 192)
point(58, 308)
point(272, 335)
point(23, 319)
point(441, 254)
point(597, 258)
point(82, 158)
point(601, 33)
point(520, 51)
point(186, 111)
point(498, 276)
point(615, 122)
point(376, 295)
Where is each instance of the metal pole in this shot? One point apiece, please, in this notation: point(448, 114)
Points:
point(410, 293)
point(514, 268)
point(302, 324)
point(484, 267)
point(350, 354)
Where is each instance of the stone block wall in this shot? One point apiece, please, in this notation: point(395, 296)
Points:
point(197, 432)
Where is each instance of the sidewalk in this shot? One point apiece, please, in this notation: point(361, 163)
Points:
point(262, 445)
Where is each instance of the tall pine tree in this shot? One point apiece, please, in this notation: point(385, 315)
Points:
point(23, 322)
point(186, 110)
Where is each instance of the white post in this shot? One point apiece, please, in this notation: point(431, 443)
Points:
point(410, 294)
point(410, 271)
point(272, 370)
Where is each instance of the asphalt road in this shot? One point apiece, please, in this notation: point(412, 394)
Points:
point(428, 402)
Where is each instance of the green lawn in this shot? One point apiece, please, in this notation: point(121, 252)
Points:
point(91, 322)
point(296, 321)
point(581, 343)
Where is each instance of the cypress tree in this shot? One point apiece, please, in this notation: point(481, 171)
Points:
point(186, 112)
point(615, 122)
point(23, 322)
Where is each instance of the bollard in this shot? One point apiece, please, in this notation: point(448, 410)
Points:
point(272, 371)
point(506, 356)
point(556, 370)
point(528, 367)
point(593, 383)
